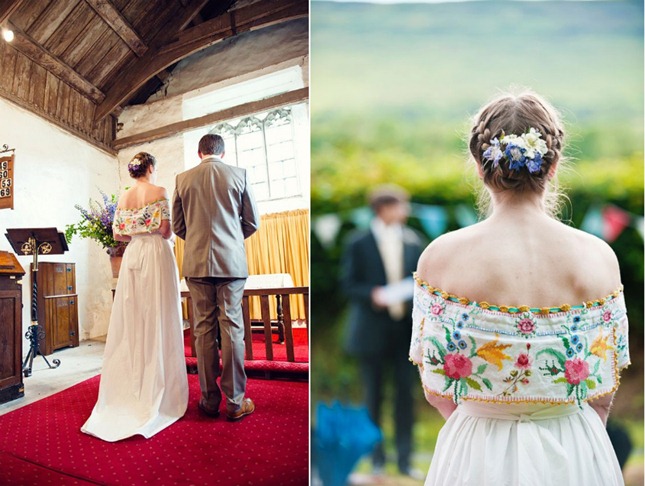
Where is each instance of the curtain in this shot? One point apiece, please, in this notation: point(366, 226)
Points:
point(281, 245)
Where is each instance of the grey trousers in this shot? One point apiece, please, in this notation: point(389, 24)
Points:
point(219, 299)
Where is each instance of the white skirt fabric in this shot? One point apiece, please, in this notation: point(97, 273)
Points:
point(143, 386)
point(524, 445)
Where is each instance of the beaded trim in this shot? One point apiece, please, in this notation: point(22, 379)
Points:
point(514, 309)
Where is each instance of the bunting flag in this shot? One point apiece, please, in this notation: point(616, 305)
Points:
point(615, 220)
point(606, 222)
point(465, 215)
point(592, 222)
point(361, 217)
point(434, 219)
point(326, 228)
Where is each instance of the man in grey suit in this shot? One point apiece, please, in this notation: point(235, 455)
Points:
point(214, 211)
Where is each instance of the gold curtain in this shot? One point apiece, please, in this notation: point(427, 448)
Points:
point(281, 245)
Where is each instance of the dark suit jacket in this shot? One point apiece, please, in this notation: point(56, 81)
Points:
point(214, 211)
point(372, 331)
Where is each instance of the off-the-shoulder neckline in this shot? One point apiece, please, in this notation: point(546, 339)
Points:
point(518, 309)
point(145, 205)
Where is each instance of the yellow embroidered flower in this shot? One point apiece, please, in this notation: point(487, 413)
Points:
point(494, 353)
point(599, 347)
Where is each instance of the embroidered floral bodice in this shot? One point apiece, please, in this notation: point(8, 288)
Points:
point(141, 220)
point(476, 351)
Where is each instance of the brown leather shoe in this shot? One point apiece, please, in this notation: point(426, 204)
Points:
point(207, 411)
point(247, 408)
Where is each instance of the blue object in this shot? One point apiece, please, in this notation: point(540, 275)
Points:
point(342, 436)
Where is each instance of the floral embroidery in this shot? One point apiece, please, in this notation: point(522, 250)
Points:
point(526, 325)
point(470, 351)
point(437, 309)
point(521, 374)
point(600, 347)
point(493, 352)
point(142, 220)
point(457, 368)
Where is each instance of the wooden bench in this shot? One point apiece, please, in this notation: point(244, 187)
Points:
point(284, 318)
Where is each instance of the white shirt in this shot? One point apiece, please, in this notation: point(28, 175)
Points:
point(389, 240)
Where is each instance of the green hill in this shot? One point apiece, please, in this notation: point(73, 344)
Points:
point(441, 61)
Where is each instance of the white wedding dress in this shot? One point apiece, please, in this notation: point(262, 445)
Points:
point(143, 386)
point(521, 379)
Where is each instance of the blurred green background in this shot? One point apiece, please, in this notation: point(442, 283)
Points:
point(392, 90)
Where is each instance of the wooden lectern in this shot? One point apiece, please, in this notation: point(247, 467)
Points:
point(36, 241)
point(11, 386)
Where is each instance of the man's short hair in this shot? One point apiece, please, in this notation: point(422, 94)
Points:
point(211, 144)
point(385, 195)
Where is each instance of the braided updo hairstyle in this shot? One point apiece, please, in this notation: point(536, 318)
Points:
point(138, 166)
point(516, 114)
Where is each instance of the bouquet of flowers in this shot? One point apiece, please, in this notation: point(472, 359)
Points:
point(96, 224)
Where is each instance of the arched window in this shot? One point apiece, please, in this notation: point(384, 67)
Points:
point(263, 144)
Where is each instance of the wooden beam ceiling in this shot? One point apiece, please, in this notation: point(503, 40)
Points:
point(34, 51)
point(7, 7)
point(119, 24)
point(169, 50)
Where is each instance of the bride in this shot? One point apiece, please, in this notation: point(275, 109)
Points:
point(520, 327)
point(143, 386)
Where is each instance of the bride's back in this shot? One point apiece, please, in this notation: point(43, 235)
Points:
point(520, 255)
point(537, 262)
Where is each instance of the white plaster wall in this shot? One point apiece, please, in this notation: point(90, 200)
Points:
point(53, 171)
point(239, 59)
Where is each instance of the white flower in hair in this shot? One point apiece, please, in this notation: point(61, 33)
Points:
point(525, 150)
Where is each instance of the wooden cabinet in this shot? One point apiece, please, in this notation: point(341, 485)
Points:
point(57, 305)
point(11, 386)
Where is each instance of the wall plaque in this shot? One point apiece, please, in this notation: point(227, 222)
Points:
point(6, 181)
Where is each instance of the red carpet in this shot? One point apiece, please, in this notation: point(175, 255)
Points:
point(260, 363)
point(41, 443)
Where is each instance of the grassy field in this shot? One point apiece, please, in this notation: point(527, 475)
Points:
point(441, 61)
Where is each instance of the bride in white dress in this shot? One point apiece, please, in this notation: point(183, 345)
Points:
point(520, 329)
point(143, 386)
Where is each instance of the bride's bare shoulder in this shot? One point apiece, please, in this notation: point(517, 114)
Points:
point(441, 251)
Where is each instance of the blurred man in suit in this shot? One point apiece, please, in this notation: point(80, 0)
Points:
point(380, 324)
point(214, 211)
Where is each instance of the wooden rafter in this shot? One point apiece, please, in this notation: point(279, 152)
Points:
point(34, 51)
point(119, 25)
point(289, 98)
point(251, 17)
point(7, 7)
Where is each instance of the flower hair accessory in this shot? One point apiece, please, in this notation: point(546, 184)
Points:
point(525, 150)
point(134, 164)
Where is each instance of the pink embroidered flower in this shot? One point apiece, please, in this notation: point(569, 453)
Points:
point(457, 366)
point(121, 226)
point(148, 221)
point(526, 326)
point(606, 316)
point(576, 370)
point(523, 361)
point(436, 309)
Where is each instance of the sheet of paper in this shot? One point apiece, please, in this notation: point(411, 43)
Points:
point(398, 292)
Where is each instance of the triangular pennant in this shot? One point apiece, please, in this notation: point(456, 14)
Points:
point(615, 220)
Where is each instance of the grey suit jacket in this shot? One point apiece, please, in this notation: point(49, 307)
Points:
point(214, 211)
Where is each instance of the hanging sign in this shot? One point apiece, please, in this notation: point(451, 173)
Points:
point(6, 181)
